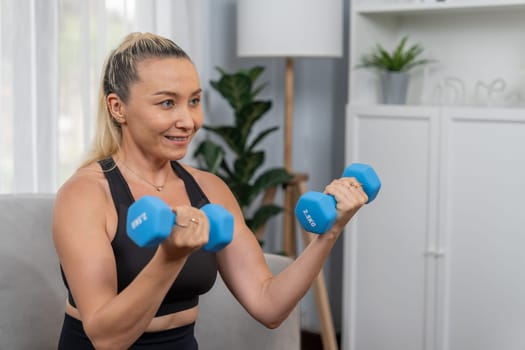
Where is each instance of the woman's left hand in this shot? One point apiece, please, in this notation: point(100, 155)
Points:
point(350, 197)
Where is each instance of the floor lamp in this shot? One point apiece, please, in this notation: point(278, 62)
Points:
point(291, 29)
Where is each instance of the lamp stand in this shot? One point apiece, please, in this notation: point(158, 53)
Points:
point(288, 113)
point(289, 243)
point(293, 190)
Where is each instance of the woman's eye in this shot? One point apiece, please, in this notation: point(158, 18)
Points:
point(195, 101)
point(167, 103)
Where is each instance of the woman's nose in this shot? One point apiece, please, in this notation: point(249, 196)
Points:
point(184, 119)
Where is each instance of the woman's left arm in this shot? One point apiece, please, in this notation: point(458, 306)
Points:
point(268, 298)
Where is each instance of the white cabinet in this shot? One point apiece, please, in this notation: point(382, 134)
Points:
point(387, 271)
point(437, 261)
point(482, 230)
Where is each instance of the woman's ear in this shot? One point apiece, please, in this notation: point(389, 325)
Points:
point(116, 108)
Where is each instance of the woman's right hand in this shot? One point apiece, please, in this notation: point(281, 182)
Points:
point(190, 232)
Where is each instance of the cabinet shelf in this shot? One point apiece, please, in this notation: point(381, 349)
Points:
point(470, 54)
point(439, 7)
point(408, 107)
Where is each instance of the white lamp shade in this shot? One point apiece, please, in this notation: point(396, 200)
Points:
point(290, 28)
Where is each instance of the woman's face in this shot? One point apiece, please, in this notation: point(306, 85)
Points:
point(163, 111)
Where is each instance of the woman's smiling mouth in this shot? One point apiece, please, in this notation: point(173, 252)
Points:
point(178, 138)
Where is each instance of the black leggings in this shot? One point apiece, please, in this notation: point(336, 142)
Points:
point(73, 337)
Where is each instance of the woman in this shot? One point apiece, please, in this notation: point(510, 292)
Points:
point(122, 296)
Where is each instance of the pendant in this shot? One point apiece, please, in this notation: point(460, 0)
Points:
point(159, 188)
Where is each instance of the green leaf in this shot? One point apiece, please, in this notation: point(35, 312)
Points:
point(249, 115)
point(262, 215)
point(261, 136)
point(231, 135)
point(400, 59)
point(254, 73)
point(270, 178)
point(246, 166)
point(235, 88)
point(212, 155)
point(222, 71)
point(227, 174)
point(258, 89)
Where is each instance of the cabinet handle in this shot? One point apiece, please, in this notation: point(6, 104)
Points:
point(436, 254)
point(440, 254)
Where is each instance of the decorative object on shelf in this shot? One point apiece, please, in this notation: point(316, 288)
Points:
point(490, 94)
point(453, 91)
point(394, 68)
point(239, 170)
point(394, 87)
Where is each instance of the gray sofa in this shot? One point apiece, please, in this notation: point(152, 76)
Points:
point(32, 294)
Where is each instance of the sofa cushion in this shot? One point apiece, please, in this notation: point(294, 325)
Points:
point(224, 325)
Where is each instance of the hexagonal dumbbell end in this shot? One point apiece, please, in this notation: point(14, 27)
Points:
point(149, 221)
point(366, 176)
point(316, 212)
point(221, 227)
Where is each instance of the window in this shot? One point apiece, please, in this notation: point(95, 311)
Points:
point(52, 54)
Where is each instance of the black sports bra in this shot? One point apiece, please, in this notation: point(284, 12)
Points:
point(200, 270)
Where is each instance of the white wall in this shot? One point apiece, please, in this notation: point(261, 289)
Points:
point(318, 148)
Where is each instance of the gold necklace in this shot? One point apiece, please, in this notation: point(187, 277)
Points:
point(159, 188)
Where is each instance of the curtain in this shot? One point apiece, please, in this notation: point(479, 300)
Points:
point(51, 55)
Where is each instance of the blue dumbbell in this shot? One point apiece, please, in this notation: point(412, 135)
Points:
point(150, 221)
point(316, 211)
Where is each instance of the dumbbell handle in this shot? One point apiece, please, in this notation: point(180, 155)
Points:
point(148, 229)
point(366, 176)
point(358, 171)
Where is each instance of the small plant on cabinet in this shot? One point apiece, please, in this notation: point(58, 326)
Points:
point(393, 68)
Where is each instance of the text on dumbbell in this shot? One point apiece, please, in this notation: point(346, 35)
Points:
point(309, 218)
point(138, 220)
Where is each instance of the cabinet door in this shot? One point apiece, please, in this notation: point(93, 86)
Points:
point(388, 275)
point(483, 225)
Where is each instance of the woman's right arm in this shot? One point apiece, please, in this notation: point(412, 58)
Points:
point(80, 234)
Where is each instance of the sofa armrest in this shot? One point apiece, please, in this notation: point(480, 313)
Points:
point(32, 295)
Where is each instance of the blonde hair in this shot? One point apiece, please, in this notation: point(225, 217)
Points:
point(119, 72)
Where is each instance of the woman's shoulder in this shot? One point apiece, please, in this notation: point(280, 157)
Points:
point(83, 203)
point(87, 183)
point(216, 190)
point(201, 176)
point(209, 182)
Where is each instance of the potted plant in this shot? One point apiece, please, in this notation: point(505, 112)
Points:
point(236, 158)
point(393, 68)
